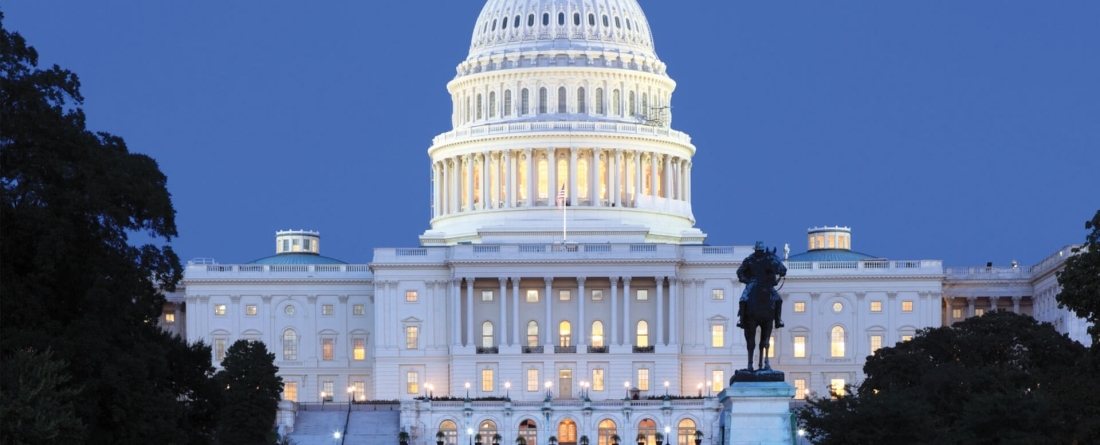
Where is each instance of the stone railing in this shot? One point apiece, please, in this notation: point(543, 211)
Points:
point(869, 266)
point(206, 270)
point(482, 131)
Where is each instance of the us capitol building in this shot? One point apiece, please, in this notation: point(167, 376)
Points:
point(563, 272)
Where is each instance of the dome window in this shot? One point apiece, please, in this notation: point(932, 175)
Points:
point(576, 19)
point(530, 20)
point(562, 100)
point(628, 25)
point(542, 100)
point(504, 23)
point(494, 28)
point(561, 19)
point(605, 23)
point(515, 24)
point(618, 24)
point(546, 19)
point(591, 19)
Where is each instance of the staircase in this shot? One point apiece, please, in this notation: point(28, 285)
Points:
point(364, 427)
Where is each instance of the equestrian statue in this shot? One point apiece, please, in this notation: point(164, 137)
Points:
point(760, 304)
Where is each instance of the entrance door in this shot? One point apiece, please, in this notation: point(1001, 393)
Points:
point(565, 383)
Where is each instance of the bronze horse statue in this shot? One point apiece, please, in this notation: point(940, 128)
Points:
point(762, 305)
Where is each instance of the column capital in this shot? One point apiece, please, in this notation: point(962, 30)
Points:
point(891, 295)
point(860, 295)
point(673, 280)
point(614, 281)
point(971, 299)
point(700, 281)
point(267, 299)
point(235, 299)
point(581, 280)
point(660, 280)
point(1017, 298)
point(430, 284)
point(343, 299)
point(515, 281)
point(503, 281)
point(548, 280)
point(457, 281)
point(626, 281)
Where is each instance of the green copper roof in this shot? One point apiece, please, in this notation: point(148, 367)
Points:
point(297, 258)
point(830, 255)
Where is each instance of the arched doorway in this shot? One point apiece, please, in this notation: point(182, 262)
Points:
point(567, 432)
point(685, 432)
point(648, 428)
point(450, 432)
point(486, 431)
point(529, 431)
point(607, 434)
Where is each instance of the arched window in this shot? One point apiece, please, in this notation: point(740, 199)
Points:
point(597, 333)
point(582, 178)
point(492, 104)
point(645, 104)
point(515, 23)
point(618, 24)
point(643, 334)
point(478, 107)
point(524, 102)
point(628, 28)
point(567, 432)
point(494, 27)
point(290, 345)
point(561, 19)
point(546, 19)
point(450, 432)
point(486, 431)
point(507, 103)
point(599, 101)
point(607, 426)
point(648, 428)
point(531, 20)
point(562, 98)
point(837, 341)
point(532, 333)
point(529, 432)
point(580, 101)
point(685, 432)
point(468, 114)
point(630, 106)
point(504, 23)
point(577, 19)
point(605, 20)
point(591, 19)
point(617, 102)
point(565, 331)
point(542, 100)
point(543, 185)
point(487, 334)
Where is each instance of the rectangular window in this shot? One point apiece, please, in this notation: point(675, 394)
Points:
point(717, 336)
point(410, 296)
point(359, 348)
point(360, 390)
point(486, 380)
point(532, 380)
point(564, 295)
point(326, 348)
point(718, 294)
point(597, 295)
point(957, 313)
point(412, 383)
point(219, 349)
point(718, 378)
point(326, 309)
point(907, 306)
point(876, 343)
point(412, 337)
point(357, 310)
point(800, 346)
point(643, 379)
point(799, 307)
point(219, 309)
point(799, 389)
point(486, 295)
point(326, 391)
point(532, 296)
point(290, 391)
point(979, 312)
point(250, 309)
point(169, 318)
point(837, 387)
point(906, 337)
point(876, 306)
point(597, 379)
point(643, 295)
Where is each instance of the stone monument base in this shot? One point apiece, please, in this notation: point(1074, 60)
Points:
point(757, 413)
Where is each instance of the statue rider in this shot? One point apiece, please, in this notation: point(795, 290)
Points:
point(758, 270)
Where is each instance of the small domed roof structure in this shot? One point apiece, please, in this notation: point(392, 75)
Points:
point(830, 244)
point(297, 247)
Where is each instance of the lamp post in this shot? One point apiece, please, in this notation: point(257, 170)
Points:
point(335, 436)
point(470, 431)
point(668, 430)
point(548, 385)
point(626, 389)
point(351, 396)
point(507, 390)
point(322, 400)
point(430, 388)
point(700, 388)
point(708, 388)
point(467, 390)
point(666, 388)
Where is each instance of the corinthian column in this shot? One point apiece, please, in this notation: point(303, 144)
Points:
point(581, 323)
point(469, 161)
point(549, 319)
point(626, 312)
point(572, 180)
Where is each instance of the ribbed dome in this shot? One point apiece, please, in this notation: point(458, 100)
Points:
point(562, 25)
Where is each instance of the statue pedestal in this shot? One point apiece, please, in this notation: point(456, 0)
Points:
point(757, 413)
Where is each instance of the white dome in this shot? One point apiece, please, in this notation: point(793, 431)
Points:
point(506, 26)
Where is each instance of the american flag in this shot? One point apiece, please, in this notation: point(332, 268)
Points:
point(561, 196)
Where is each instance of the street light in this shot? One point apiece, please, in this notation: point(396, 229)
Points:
point(470, 433)
point(351, 396)
point(322, 400)
point(708, 388)
point(430, 388)
point(507, 390)
point(548, 385)
point(700, 387)
point(626, 389)
point(467, 390)
point(666, 388)
point(668, 430)
point(335, 436)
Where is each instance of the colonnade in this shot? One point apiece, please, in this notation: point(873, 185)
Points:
point(971, 306)
point(529, 177)
point(621, 331)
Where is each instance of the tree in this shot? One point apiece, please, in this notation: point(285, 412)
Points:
point(1080, 280)
point(73, 283)
point(999, 378)
point(251, 395)
point(37, 406)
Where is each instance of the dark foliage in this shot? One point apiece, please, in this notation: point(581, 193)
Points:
point(1080, 280)
point(251, 393)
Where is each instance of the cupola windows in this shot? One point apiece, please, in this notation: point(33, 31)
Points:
point(530, 20)
point(507, 103)
point(492, 104)
point(618, 24)
point(562, 98)
point(591, 19)
point(605, 23)
point(561, 19)
point(546, 19)
point(504, 23)
point(494, 27)
point(628, 25)
point(599, 101)
point(580, 101)
point(576, 19)
point(524, 102)
point(515, 24)
point(542, 100)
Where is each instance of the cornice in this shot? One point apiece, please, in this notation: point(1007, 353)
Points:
point(536, 75)
point(271, 280)
point(573, 136)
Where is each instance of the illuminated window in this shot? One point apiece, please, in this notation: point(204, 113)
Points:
point(906, 337)
point(771, 347)
point(564, 295)
point(956, 313)
point(643, 379)
point(169, 318)
point(412, 337)
point(800, 346)
point(250, 309)
point(597, 333)
point(642, 295)
point(219, 309)
point(357, 310)
point(532, 333)
point(487, 334)
point(979, 312)
point(837, 342)
point(799, 307)
point(412, 382)
point(597, 379)
point(326, 309)
point(359, 348)
point(616, 102)
point(486, 295)
point(832, 241)
point(876, 343)
point(532, 380)
point(486, 380)
point(564, 334)
point(532, 296)
point(411, 296)
point(643, 334)
point(450, 432)
point(326, 348)
point(838, 306)
point(597, 295)
point(290, 345)
point(290, 391)
point(718, 378)
point(907, 306)
point(799, 389)
point(327, 389)
point(360, 390)
point(219, 349)
point(718, 294)
point(813, 243)
point(717, 336)
point(876, 306)
point(836, 386)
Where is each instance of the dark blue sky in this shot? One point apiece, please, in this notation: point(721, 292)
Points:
point(962, 131)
